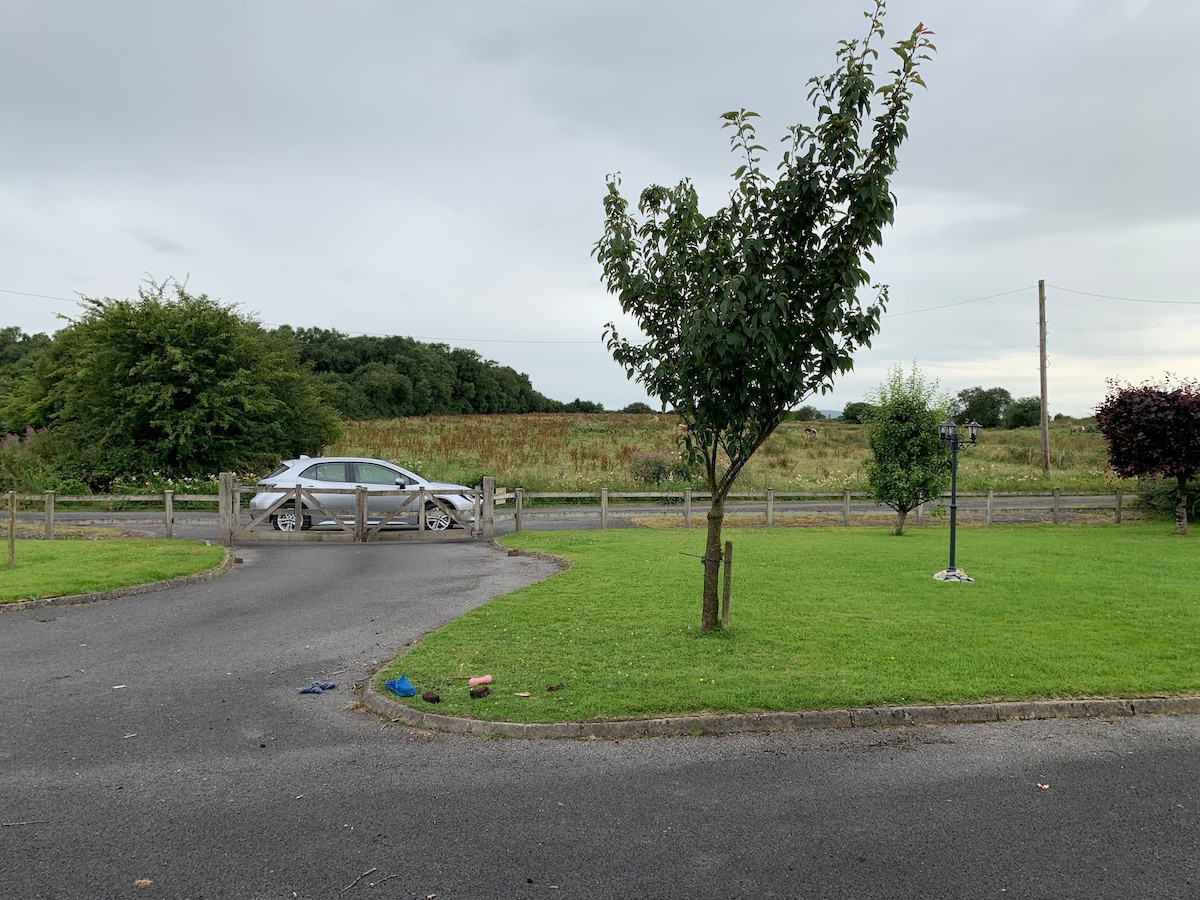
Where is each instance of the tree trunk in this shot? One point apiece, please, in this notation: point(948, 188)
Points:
point(901, 516)
point(712, 564)
point(1180, 507)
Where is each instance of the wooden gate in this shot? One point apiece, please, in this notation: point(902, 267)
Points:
point(299, 515)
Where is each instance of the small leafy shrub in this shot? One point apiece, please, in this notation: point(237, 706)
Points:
point(182, 486)
point(157, 483)
point(474, 478)
point(657, 467)
point(1158, 496)
point(589, 427)
point(780, 446)
point(28, 465)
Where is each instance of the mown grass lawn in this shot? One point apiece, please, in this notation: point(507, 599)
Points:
point(59, 568)
point(827, 617)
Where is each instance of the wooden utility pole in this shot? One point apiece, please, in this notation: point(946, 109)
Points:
point(1042, 369)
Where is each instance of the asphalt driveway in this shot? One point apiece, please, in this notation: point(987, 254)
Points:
point(161, 739)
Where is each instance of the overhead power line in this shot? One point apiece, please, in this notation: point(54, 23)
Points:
point(1127, 299)
point(913, 312)
point(461, 340)
point(415, 337)
point(42, 296)
point(444, 340)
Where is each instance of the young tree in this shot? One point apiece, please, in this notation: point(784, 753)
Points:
point(1023, 413)
point(857, 412)
point(983, 406)
point(1154, 429)
point(909, 463)
point(750, 310)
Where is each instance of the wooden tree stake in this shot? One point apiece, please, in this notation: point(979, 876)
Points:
point(728, 585)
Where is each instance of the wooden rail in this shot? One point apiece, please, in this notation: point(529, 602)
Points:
point(155, 509)
point(837, 506)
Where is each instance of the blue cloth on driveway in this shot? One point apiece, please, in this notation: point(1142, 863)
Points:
point(318, 687)
point(400, 687)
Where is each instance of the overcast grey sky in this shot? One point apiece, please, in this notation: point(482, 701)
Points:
point(437, 170)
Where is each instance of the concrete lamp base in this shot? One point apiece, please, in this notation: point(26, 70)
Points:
point(953, 575)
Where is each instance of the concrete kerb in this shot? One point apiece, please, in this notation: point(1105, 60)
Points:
point(117, 593)
point(739, 723)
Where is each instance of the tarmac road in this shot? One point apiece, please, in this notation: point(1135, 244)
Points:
point(162, 738)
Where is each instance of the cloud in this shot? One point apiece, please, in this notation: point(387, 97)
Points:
point(158, 243)
point(438, 169)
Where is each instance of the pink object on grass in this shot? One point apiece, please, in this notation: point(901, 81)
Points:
point(481, 679)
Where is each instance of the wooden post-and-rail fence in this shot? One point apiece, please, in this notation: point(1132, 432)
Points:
point(168, 509)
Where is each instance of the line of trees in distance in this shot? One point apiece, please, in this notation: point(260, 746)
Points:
point(172, 384)
point(373, 377)
point(990, 407)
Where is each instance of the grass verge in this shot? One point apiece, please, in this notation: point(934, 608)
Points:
point(826, 618)
point(59, 568)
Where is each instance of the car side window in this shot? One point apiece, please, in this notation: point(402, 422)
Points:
point(370, 473)
point(328, 471)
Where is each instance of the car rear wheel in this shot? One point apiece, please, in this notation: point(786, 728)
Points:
point(285, 519)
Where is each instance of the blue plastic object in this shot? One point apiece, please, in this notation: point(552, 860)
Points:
point(400, 687)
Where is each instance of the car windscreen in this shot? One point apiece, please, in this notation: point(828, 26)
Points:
point(373, 473)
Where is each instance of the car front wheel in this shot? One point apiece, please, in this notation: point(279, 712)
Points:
point(436, 518)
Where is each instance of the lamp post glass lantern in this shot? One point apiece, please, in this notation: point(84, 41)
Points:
point(948, 432)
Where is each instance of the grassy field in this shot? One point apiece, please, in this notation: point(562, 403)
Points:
point(58, 568)
point(561, 452)
point(827, 618)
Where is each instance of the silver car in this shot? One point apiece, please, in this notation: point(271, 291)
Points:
point(320, 475)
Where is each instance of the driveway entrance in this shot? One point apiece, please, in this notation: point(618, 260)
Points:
point(156, 746)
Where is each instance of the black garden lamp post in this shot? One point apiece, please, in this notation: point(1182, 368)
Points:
point(948, 432)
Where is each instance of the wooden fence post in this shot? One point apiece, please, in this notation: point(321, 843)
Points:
point(489, 508)
point(770, 507)
point(1117, 511)
point(728, 585)
point(687, 507)
point(225, 516)
point(168, 514)
point(360, 513)
point(49, 513)
point(921, 513)
point(604, 507)
point(12, 529)
point(518, 508)
point(991, 496)
point(1056, 498)
point(846, 507)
